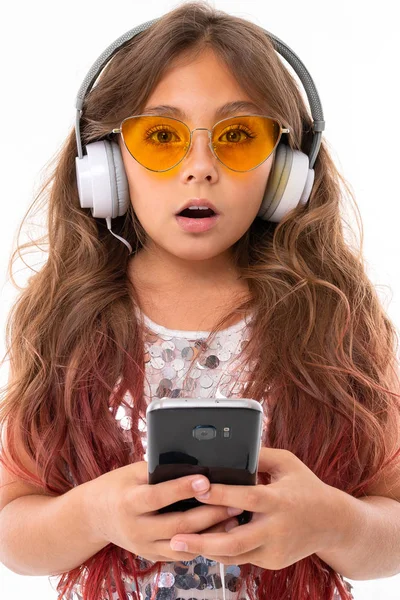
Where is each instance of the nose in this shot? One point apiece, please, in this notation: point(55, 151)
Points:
point(205, 141)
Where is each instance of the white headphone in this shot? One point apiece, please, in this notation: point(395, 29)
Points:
point(101, 178)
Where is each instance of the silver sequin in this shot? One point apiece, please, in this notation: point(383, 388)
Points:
point(187, 353)
point(165, 579)
point(178, 366)
point(233, 569)
point(157, 362)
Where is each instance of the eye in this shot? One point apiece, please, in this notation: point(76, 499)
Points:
point(234, 129)
point(158, 130)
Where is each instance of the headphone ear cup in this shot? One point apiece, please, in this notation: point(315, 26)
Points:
point(101, 179)
point(121, 181)
point(289, 184)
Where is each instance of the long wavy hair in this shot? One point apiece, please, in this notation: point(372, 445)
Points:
point(322, 350)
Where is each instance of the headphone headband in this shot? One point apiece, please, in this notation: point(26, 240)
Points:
point(280, 47)
point(102, 181)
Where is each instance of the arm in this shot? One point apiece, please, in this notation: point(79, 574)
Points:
point(42, 535)
point(370, 544)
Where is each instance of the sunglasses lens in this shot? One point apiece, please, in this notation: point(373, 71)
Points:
point(243, 143)
point(157, 143)
point(160, 143)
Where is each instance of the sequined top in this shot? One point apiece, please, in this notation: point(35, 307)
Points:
point(216, 373)
point(168, 354)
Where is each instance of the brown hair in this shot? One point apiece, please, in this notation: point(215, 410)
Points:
point(322, 350)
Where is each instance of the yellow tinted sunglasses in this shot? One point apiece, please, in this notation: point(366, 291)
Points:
point(241, 143)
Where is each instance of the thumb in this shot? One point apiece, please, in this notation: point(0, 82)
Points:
point(276, 461)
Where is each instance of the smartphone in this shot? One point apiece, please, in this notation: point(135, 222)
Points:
point(216, 437)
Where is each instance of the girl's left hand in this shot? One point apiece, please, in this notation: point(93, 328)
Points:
point(296, 515)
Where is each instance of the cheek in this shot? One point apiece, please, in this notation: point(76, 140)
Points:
point(137, 174)
point(252, 182)
point(258, 189)
point(146, 189)
point(140, 178)
point(260, 182)
point(249, 191)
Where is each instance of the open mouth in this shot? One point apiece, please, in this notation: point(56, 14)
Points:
point(197, 213)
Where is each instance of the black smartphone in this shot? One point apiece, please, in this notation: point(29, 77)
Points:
point(216, 437)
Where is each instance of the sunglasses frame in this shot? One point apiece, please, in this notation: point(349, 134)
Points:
point(210, 134)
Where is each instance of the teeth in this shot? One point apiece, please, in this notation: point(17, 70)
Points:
point(197, 207)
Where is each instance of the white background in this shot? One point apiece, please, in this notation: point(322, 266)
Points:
point(351, 50)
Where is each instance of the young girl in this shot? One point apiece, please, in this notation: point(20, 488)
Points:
point(257, 298)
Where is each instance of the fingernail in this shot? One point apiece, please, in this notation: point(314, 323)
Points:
point(232, 512)
point(180, 546)
point(203, 496)
point(231, 525)
point(200, 485)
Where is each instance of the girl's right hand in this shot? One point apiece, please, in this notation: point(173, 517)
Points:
point(123, 510)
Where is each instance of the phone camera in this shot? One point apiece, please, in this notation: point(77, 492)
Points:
point(204, 432)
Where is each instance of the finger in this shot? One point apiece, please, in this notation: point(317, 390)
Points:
point(221, 527)
point(254, 498)
point(163, 547)
point(169, 555)
point(159, 495)
point(247, 557)
point(239, 540)
point(189, 521)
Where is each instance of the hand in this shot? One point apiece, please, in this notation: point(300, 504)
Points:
point(296, 515)
point(121, 508)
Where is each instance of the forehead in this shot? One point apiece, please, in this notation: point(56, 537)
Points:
point(204, 79)
point(229, 108)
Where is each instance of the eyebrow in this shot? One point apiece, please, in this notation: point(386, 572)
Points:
point(220, 113)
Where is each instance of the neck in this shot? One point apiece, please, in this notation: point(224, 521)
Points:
point(164, 272)
point(186, 295)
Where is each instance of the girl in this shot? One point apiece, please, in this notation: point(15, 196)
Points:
point(228, 305)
